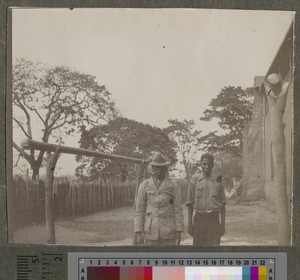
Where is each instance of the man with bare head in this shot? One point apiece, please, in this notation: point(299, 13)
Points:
point(206, 205)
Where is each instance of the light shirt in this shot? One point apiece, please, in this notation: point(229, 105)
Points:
point(205, 193)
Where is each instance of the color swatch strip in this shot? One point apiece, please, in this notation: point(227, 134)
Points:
point(177, 273)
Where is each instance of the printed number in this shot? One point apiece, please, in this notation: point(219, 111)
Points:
point(58, 259)
point(140, 262)
point(221, 262)
point(205, 262)
point(165, 262)
point(181, 262)
point(172, 262)
point(189, 262)
point(35, 260)
point(230, 262)
point(99, 262)
point(197, 262)
point(116, 262)
point(262, 262)
point(214, 262)
point(148, 262)
point(107, 262)
point(156, 262)
point(254, 262)
point(131, 262)
point(238, 262)
point(246, 262)
point(91, 262)
point(123, 262)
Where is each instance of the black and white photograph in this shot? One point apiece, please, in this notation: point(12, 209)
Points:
point(150, 127)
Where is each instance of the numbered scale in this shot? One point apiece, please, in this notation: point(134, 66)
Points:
point(43, 266)
point(179, 266)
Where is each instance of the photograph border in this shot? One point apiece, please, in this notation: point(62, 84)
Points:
point(8, 251)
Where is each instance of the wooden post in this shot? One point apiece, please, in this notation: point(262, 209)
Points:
point(122, 194)
point(104, 194)
point(276, 94)
point(75, 198)
point(95, 185)
point(27, 191)
point(110, 194)
point(91, 197)
point(99, 196)
point(125, 192)
point(49, 215)
point(69, 207)
point(63, 192)
point(87, 197)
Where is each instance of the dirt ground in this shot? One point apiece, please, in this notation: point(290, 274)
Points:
point(247, 224)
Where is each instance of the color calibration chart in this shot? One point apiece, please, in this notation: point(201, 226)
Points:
point(177, 266)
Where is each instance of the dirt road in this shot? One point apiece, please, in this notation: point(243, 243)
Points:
point(246, 224)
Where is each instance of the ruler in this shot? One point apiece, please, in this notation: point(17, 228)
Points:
point(40, 266)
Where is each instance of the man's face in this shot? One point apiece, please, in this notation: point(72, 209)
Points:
point(206, 166)
point(159, 171)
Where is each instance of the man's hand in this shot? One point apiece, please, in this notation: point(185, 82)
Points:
point(191, 229)
point(139, 239)
point(177, 238)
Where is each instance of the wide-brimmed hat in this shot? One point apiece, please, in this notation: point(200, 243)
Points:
point(159, 160)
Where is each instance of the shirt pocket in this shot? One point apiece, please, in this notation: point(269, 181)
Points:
point(215, 191)
point(199, 191)
point(167, 198)
point(150, 196)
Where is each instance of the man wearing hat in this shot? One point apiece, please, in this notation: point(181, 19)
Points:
point(158, 216)
point(206, 205)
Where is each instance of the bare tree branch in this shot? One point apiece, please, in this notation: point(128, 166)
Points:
point(17, 162)
point(22, 128)
point(22, 152)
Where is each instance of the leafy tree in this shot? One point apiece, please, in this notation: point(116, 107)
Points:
point(187, 139)
point(233, 108)
point(227, 166)
point(123, 137)
point(55, 100)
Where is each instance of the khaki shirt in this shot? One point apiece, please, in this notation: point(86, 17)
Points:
point(205, 194)
point(158, 212)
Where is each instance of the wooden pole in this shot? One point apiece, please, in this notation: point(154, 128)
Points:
point(27, 191)
point(99, 195)
point(276, 94)
point(49, 215)
point(31, 144)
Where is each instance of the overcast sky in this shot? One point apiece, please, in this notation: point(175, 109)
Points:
point(157, 63)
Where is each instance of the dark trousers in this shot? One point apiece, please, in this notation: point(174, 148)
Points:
point(206, 229)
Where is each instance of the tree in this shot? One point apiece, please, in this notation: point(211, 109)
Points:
point(123, 137)
point(276, 94)
point(233, 107)
point(187, 143)
point(227, 166)
point(55, 100)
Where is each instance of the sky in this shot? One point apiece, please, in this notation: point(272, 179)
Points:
point(158, 64)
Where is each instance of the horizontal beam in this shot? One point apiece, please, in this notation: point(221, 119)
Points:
point(35, 145)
